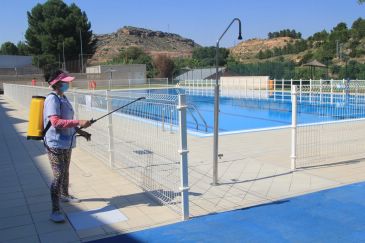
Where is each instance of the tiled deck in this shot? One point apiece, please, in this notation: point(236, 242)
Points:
point(25, 201)
point(255, 169)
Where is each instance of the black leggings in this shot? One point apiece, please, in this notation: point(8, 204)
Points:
point(60, 163)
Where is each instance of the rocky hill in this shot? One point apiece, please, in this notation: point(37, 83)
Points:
point(152, 42)
point(248, 50)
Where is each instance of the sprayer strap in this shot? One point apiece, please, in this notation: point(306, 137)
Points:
point(45, 130)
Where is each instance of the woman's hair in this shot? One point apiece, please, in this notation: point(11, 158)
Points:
point(50, 75)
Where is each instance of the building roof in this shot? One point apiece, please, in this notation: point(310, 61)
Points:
point(11, 61)
point(198, 74)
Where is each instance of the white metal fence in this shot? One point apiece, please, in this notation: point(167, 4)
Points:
point(275, 89)
point(337, 136)
point(145, 141)
point(335, 109)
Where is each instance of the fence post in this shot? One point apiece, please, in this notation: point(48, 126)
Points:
point(253, 88)
point(293, 127)
point(110, 130)
point(320, 90)
point(163, 119)
point(183, 151)
point(76, 105)
point(331, 83)
point(171, 120)
point(274, 89)
point(282, 89)
point(300, 90)
point(310, 90)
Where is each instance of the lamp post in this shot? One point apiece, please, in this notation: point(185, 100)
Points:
point(216, 102)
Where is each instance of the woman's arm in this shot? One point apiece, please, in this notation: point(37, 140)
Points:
point(57, 122)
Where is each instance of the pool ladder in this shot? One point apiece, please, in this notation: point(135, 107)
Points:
point(191, 108)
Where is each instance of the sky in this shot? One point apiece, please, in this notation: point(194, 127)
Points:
point(204, 21)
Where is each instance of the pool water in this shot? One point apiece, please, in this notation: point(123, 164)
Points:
point(247, 114)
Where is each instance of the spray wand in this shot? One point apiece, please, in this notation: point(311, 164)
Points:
point(87, 135)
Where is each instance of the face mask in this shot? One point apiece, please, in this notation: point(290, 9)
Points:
point(64, 87)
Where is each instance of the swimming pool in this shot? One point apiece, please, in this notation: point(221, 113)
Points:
point(242, 114)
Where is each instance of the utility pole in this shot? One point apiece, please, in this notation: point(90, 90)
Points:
point(63, 54)
point(82, 59)
point(341, 50)
point(337, 49)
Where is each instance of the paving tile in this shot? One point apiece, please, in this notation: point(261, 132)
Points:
point(39, 199)
point(98, 231)
point(59, 237)
point(40, 207)
point(28, 239)
point(41, 191)
point(14, 211)
point(97, 237)
point(17, 232)
point(15, 221)
point(119, 227)
point(48, 226)
point(12, 195)
point(7, 189)
point(40, 216)
point(8, 203)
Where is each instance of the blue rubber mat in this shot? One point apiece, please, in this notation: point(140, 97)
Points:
point(335, 215)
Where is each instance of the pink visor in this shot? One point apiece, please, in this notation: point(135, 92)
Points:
point(62, 77)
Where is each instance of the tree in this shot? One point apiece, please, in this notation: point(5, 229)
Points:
point(54, 25)
point(260, 55)
point(285, 33)
point(8, 48)
point(22, 48)
point(164, 66)
point(358, 28)
point(206, 55)
point(135, 55)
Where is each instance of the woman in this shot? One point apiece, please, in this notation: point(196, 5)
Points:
point(60, 138)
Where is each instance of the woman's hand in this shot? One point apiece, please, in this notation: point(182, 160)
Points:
point(84, 123)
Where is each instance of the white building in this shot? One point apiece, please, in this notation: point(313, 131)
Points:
point(121, 71)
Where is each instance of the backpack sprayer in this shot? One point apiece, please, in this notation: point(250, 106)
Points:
point(36, 130)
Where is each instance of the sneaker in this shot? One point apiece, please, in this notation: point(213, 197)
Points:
point(57, 217)
point(70, 199)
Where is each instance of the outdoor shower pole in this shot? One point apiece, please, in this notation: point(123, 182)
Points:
point(216, 103)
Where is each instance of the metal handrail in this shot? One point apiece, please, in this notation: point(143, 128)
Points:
point(192, 106)
point(196, 121)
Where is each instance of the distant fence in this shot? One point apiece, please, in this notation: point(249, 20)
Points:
point(146, 141)
point(271, 89)
point(83, 81)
